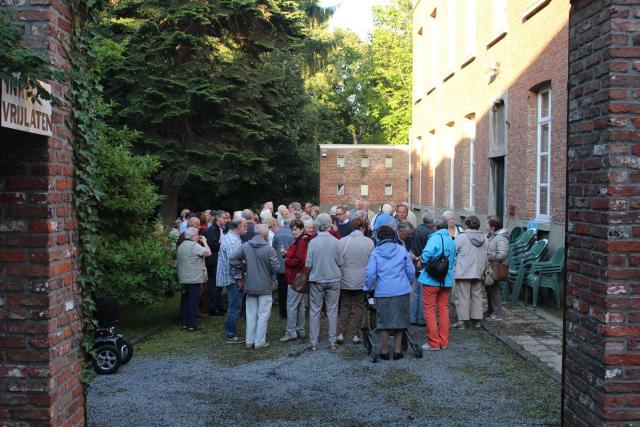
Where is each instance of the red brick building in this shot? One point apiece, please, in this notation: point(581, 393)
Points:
point(377, 173)
point(40, 303)
point(489, 130)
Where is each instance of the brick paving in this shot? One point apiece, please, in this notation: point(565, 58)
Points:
point(534, 334)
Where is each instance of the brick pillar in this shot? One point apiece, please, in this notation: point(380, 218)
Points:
point(40, 317)
point(602, 346)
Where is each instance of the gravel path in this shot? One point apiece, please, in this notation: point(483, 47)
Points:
point(477, 381)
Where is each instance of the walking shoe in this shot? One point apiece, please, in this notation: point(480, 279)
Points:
point(301, 333)
point(398, 356)
point(384, 356)
point(234, 340)
point(289, 337)
point(459, 325)
point(426, 347)
point(265, 345)
point(495, 317)
point(333, 346)
point(477, 324)
point(356, 339)
point(340, 339)
point(313, 347)
point(249, 346)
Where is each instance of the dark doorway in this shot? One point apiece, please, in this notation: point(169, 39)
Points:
point(496, 167)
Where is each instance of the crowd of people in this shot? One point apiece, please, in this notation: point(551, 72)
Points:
point(349, 256)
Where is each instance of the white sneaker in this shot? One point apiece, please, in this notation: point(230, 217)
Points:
point(265, 345)
point(356, 339)
point(426, 347)
point(494, 317)
point(289, 337)
point(459, 325)
point(340, 339)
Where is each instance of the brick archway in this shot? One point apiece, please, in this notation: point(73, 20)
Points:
point(602, 331)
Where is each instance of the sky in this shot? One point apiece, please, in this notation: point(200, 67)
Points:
point(355, 15)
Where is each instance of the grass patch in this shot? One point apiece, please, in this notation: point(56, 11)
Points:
point(135, 320)
point(397, 377)
point(210, 342)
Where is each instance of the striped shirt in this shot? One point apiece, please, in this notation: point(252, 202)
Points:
point(231, 243)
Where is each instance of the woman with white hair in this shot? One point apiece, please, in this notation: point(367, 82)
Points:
point(323, 261)
point(192, 273)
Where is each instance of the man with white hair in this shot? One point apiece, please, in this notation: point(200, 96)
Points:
point(259, 262)
point(384, 217)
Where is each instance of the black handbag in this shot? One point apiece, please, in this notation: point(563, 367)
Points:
point(438, 267)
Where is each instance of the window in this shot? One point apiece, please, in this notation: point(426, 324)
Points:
point(498, 127)
point(543, 172)
point(470, 32)
point(364, 162)
point(340, 161)
point(470, 125)
point(388, 190)
point(451, 39)
point(340, 190)
point(388, 162)
point(364, 190)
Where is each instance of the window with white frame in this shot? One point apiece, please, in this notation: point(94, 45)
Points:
point(470, 130)
point(340, 161)
point(364, 190)
point(470, 30)
point(340, 190)
point(388, 162)
point(388, 190)
point(364, 162)
point(543, 172)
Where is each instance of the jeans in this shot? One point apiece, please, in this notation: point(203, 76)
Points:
point(436, 298)
point(258, 313)
point(417, 315)
point(329, 292)
point(282, 295)
point(189, 305)
point(234, 310)
point(296, 308)
point(214, 292)
point(351, 301)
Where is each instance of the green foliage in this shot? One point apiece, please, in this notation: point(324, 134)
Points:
point(22, 67)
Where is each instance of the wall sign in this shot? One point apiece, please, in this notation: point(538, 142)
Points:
point(18, 112)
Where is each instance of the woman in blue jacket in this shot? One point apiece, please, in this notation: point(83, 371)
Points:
point(434, 292)
point(391, 269)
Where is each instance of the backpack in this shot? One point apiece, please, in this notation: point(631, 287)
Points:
point(438, 266)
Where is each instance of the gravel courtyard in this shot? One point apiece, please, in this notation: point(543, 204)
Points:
point(195, 379)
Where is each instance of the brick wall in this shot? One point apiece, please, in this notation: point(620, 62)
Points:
point(40, 320)
point(452, 105)
point(602, 349)
point(352, 175)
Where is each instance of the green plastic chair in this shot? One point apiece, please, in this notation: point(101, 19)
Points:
point(522, 264)
point(516, 249)
point(515, 234)
point(546, 274)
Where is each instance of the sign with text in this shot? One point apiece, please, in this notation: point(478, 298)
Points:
point(17, 111)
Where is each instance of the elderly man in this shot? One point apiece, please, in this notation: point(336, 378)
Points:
point(418, 242)
point(343, 222)
point(226, 277)
point(323, 261)
point(260, 263)
point(282, 239)
point(402, 211)
point(357, 206)
point(308, 207)
point(247, 215)
point(184, 217)
point(405, 233)
point(192, 273)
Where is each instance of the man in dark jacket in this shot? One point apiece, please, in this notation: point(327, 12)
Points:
point(419, 241)
point(343, 223)
point(260, 263)
point(247, 214)
point(214, 236)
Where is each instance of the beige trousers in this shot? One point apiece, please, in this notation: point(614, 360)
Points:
point(469, 299)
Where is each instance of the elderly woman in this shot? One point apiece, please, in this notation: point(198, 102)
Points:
point(392, 270)
point(323, 261)
point(497, 252)
point(294, 261)
point(192, 273)
point(471, 261)
point(435, 293)
point(354, 256)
